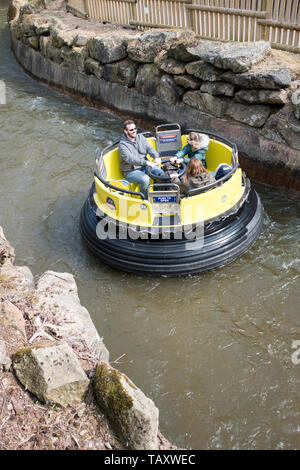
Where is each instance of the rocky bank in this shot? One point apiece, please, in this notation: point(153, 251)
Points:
point(57, 388)
point(243, 91)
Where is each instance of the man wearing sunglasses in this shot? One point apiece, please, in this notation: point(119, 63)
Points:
point(133, 150)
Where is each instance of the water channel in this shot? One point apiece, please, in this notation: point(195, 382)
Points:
point(214, 351)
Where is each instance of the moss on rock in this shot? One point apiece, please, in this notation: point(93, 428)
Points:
point(133, 416)
point(109, 390)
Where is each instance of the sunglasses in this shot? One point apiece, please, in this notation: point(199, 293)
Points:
point(133, 129)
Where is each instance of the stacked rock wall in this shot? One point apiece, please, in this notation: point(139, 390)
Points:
point(235, 90)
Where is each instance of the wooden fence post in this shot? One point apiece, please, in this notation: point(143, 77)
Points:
point(266, 6)
point(133, 11)
point(190, 14)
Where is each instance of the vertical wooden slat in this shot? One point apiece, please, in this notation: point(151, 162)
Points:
point(178, 19)
point(236, 22)
point(218, 25)
point(90, 8)
point(251, 22)
point(281, 10)
point(99, 11)
point(221, 26)
point(288, 11)
point(104, 9)
point(293, 17)
point(86, 6)
point(198, 18)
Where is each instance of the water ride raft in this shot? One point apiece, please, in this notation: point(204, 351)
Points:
point(170, 234)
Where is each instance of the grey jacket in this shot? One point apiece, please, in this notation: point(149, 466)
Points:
point(133, 154)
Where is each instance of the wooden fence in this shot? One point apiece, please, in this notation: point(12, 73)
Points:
point(277, 21)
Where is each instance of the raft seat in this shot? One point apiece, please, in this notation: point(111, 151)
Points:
point(217, 153)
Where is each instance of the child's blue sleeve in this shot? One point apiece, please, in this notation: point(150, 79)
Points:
point(182, 152)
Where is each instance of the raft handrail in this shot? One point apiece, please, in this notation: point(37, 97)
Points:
point(120, 190)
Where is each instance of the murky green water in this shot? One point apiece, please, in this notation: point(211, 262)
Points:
point(214, 351)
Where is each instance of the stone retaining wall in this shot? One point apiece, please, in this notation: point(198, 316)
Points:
point(234, 90)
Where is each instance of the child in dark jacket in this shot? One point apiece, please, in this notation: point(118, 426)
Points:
point(195, 177)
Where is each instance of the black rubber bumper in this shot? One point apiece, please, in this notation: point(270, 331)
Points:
point(224, 240)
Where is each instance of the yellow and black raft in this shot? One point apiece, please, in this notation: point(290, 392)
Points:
point(170, 234)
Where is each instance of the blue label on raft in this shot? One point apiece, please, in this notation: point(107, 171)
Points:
point(164, 199)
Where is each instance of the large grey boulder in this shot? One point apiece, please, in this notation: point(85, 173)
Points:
point(123, 72)
point(93, 67)
point(74, 57)
point(133, 415)
point(49, 51)
point(188, 51)
point(107, 49)
point(286, 124)
point(218, 88)
point(172, 66)
point(51, 372)
point(168, 91)
point(187, 81)
point(146, 47)
point(254, 115)
point(62, 36)
point(214, 105)
point(271, 79)
point(276, 97)
point(56, 297)
point(239, 57)
point(148, 79)
point(206, 72)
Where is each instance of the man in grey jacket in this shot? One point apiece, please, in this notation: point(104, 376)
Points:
point(133, 150)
